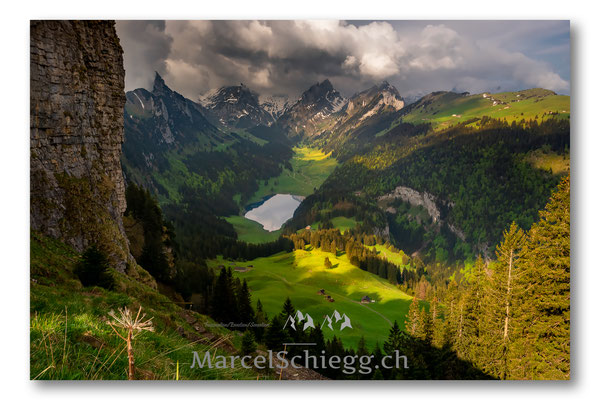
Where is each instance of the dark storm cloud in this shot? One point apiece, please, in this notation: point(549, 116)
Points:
point(285, 57)
point(146, 48)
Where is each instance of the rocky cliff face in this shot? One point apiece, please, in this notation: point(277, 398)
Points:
point(365, 114)
point(415, 198)
point(313, 112)
point(77, 99)
point(421, 199)
point(163, 119)
point(237, 107)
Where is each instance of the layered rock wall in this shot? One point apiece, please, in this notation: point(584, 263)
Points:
point(77, 99)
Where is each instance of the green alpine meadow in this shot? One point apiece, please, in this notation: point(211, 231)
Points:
point(299, 200)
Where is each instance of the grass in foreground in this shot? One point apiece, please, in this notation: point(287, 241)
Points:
point(70, 339)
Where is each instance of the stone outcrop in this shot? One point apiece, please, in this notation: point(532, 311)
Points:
point(77, 99)
point(429, 202)
point(415, 198)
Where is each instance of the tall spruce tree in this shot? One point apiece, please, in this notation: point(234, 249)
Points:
point(246, 312)
point(396, 339)
point(260, 319)
point(288, 308)
point(471, 344)
point(224, 306)
point(438, 339)
point(503, 289)
point(276, 336)
point(541, 349)
point(425, 328)
point(219, 299)
point(413, 318)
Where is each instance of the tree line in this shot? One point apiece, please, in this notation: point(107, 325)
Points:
point(511, 317)
point(232, 303)
point(478, 165)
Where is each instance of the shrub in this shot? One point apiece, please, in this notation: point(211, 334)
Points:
point(93, 269)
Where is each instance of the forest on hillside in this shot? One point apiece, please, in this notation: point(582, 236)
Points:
point(335, 220)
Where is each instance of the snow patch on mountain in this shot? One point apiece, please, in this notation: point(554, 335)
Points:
point(337, 102)
point(140, 100)
point(274, 105)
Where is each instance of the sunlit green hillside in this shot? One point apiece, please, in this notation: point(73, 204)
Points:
point(301, 274)
point(444, 109)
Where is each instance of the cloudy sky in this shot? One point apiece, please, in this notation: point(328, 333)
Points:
point(286, 57)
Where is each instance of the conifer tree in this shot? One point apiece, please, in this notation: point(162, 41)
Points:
point(378, 376)
point(395, 340)
point(425, 327)
point(541, 349)
point(276, 336)
point(224, 306)
point(472, 344)
point(361, 349)
point(248, 343)
point(438, 327)
point(500, 304)
point(377, 353)
point(288, 309)
point(246, 312)
point(261, 319)
point(219, 298)
point(413, 318)
point(316, 336)
point(94, 269)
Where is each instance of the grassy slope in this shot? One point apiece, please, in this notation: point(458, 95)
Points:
point(251, 231)
point(529, 104)
point(310, 168)
point(71, 340)
point(301, 274)
point(549, 161)
point(394, 258)
point(341, 223)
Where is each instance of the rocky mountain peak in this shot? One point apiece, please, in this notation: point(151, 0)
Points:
point(379, 97)
point(159, 86)
point(236, 106)
point(324, 95)
point(313, 111)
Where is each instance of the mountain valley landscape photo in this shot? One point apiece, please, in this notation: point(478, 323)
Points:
point(300, 200)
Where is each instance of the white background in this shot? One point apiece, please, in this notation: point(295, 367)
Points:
point(14, 195)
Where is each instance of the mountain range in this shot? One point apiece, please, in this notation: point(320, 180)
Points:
point(169, 139)
point(167, 118)
point(139, 199)
point(232, 139)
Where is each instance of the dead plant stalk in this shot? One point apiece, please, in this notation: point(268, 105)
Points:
point(133, 327)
